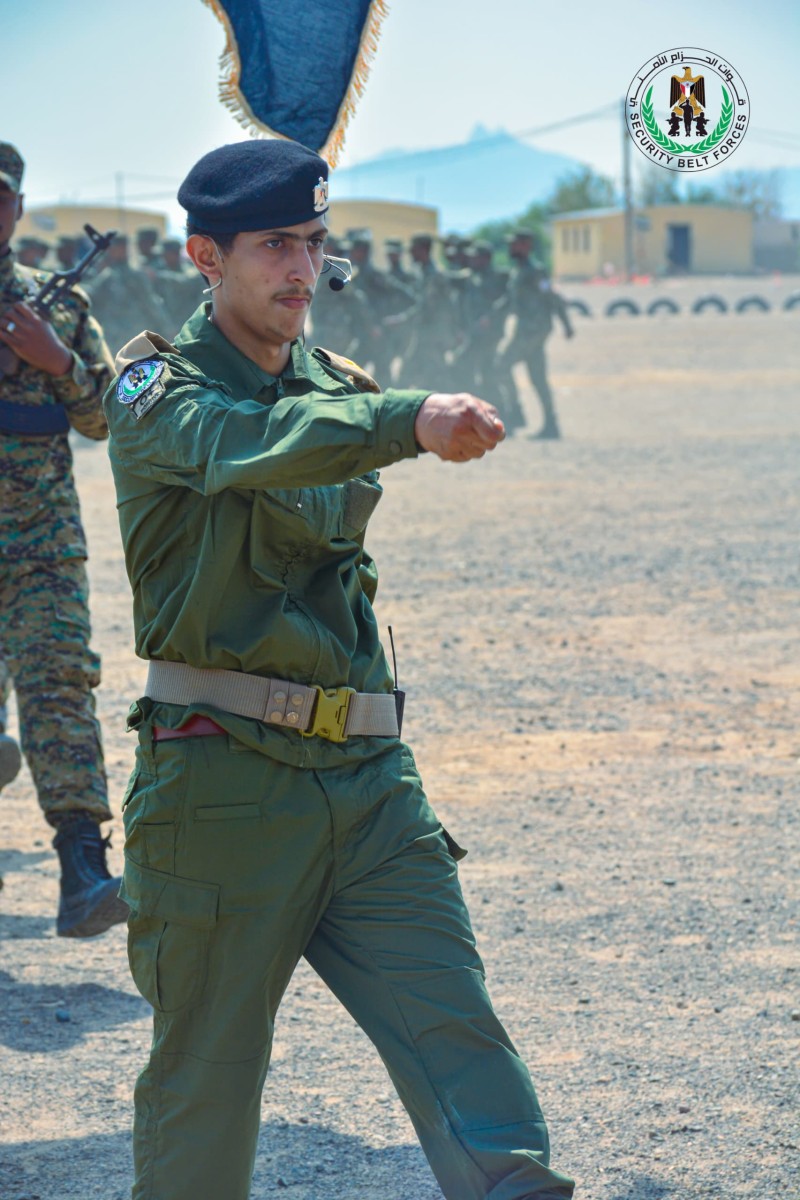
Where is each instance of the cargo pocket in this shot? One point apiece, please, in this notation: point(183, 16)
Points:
point(168, 932)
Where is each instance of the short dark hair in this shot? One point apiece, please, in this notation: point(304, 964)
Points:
point(223, 240)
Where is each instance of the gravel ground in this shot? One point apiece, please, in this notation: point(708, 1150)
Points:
point(599, 641)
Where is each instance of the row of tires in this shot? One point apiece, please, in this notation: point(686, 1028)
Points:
point(703, 304)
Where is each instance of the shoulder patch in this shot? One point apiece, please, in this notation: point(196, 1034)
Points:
point(144, 345)
point(356, 374)
point(140, 386)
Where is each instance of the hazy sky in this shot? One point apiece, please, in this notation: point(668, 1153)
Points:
point(93, 88)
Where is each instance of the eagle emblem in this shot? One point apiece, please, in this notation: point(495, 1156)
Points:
point(321, 195)
point(687, 99)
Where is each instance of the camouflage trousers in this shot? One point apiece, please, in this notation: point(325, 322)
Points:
point(45, 653)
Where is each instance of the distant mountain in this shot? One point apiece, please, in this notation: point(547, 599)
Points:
point(487, 178)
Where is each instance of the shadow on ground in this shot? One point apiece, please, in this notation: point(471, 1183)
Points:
point(39, 1018)
point(302, 1162)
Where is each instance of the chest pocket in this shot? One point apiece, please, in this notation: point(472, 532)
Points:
point(359, 502)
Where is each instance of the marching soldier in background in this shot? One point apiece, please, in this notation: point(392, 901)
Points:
point(52, 376)
point(123, 298)
point(147, 250)
point(180, 288)
point(31, 251)
point(338, 318)
point(385, 297)
point(483, 330)
point(66, 253)
point(531, 299)
point(393, 248)
point(432, 322)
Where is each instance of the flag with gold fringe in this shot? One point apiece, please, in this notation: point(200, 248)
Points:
point(295, 68)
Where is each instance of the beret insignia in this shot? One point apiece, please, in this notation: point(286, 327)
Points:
point(321, 195)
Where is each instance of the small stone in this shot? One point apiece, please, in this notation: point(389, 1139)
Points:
point(795, 1014)
point(684, 1108)
point(63, 1015)
point(584, 1000)
point(557, 886)
point(669, 882)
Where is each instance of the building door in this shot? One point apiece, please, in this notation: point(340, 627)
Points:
point(679, 247)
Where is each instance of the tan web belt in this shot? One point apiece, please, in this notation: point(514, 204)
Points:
point(332, 713)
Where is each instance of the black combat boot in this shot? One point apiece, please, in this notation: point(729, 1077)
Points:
point(10, 758)
point(89, 903)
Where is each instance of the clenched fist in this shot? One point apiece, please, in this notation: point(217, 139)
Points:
point(457, 427)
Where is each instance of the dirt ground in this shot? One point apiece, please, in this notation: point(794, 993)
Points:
point(599, 641)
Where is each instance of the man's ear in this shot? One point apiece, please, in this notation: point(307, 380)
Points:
point(205, 254)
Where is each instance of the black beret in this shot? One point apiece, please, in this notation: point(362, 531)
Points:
point(259, 184)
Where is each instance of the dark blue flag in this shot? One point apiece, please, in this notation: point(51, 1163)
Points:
point(296, 67)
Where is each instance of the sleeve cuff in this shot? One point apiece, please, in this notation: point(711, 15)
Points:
point(395, 433)
point(75, 384)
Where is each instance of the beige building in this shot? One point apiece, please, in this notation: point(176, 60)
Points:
point(53, 221)
point(386, 219)
point(695, 239)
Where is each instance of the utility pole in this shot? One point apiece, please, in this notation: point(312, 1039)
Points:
point(627, 197)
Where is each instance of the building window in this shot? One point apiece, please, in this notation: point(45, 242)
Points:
point(586, 239)
point(565, 239)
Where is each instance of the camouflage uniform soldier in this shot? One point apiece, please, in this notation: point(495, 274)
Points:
point(124, 299)
point(52, 376)
point(534, 304)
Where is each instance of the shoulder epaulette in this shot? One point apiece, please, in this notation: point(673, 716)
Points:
point(360, 378)
point(144, 345)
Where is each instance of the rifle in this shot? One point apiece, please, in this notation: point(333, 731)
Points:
point(56, 288)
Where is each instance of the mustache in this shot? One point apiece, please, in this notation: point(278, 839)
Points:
point(296, 294)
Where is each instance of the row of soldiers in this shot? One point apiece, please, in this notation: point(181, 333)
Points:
point(159, 293)
point(458, 325)
point(461, 325)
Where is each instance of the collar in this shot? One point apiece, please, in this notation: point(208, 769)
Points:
point(208, 348)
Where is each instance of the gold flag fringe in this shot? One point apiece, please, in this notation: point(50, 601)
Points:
point(230, 67)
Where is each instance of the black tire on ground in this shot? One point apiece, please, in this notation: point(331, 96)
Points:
point(623, 306)
point(756, 302)
point(791, 302)
point(663, 304)
point(579, 306)
point(714, 302)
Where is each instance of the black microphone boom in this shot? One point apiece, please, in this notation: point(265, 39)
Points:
point(342, 265)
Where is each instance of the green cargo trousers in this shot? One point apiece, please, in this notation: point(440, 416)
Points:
point(236, 865)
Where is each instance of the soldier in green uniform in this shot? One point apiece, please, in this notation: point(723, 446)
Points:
point(533, 302)
point(52, 377)
point(180, 288)
point(31, 251)
point(385, 297)
point(273, 811)
point(483, 329)
point(393, 248)
point(124, 298)
point(339, 317)
point(432, 323)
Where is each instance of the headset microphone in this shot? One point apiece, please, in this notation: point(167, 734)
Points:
point(343, 266)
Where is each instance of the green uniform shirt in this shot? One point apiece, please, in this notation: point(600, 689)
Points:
point(243, 501)
point(39, 512)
